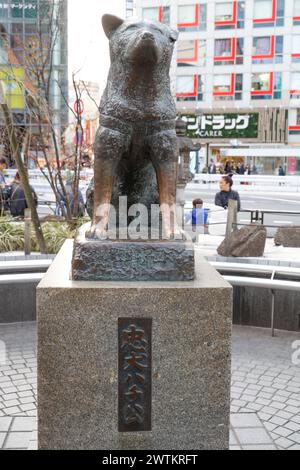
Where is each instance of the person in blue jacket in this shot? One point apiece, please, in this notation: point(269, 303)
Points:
point(198, 216)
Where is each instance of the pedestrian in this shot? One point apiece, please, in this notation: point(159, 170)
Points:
point(242, 169)
point(212, 169)
point(198, 216)
point(281, 171)
point(254, 170)
point(221, 169)
point(61, 207)
point(3, 187)
point(17, 200)
point(227, 193)
point(80, 210)
point(228, 168)
point(3, 167)
point(247, 170)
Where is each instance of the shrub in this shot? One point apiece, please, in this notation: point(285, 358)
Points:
point(11, 236)
point(55, 233)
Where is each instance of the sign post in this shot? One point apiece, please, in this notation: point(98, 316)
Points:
point(79, 107)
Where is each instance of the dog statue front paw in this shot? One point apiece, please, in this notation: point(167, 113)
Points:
point(96, 233)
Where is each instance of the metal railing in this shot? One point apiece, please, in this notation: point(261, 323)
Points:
point(258, 215)
point(260, 282)
point(266, 183)
point(25, 266)
point(237, 274)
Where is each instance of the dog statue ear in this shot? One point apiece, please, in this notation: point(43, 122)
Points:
point(110, 24)
point(174, 35)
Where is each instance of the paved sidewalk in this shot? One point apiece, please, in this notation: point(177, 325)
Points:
point(265, 389)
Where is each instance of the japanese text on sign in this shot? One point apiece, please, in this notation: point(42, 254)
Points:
point(135, 375)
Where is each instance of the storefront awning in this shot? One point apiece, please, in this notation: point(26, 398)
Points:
point(261, 152)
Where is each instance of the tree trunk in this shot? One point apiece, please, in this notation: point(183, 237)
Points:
point(16, 152)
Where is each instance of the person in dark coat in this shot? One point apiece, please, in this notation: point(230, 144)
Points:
point(3, 166)
point(17, 200)
point(228, 168)
point(3, 186)
point(227, 193)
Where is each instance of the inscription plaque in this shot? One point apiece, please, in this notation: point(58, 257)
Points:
point(135, 374)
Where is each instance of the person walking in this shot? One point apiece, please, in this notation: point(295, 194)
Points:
point(227, 193)
point(17, 200)
point(212, 169)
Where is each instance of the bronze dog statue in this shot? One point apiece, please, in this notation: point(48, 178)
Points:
point(137, 122)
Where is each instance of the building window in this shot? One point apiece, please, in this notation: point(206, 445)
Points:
point(191, 53)
point(296, 48)
point(294, 129)
point(3, 10)
point(16, 37)
point(295, 85)
point(161, 14)
point(190, 88)
point(192, 17)
point(266, 86)
point(228, 87)
point(230, 15)
point(268, 13)
point(296, 12)
point(229, 51)
point(267, 50)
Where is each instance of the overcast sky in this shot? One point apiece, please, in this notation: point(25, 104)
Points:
point(88, 45)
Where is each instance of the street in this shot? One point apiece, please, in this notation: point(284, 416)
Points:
point(260, 200)
point(268, 201)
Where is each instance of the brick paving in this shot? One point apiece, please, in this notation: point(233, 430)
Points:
point(266, 382)
point(265, 393)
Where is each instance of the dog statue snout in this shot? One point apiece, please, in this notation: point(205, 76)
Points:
point(147, 35)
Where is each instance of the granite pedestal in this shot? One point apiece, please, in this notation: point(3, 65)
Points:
point(78, 360)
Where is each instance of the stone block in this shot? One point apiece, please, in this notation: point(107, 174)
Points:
point(78, 360)
point(288, 237)
point(248, 242)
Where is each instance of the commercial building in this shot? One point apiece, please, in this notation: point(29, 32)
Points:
point(236, 77)
point(130, 8)
point(33, 50)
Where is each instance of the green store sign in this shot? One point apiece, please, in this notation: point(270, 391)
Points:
point(222, 126)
